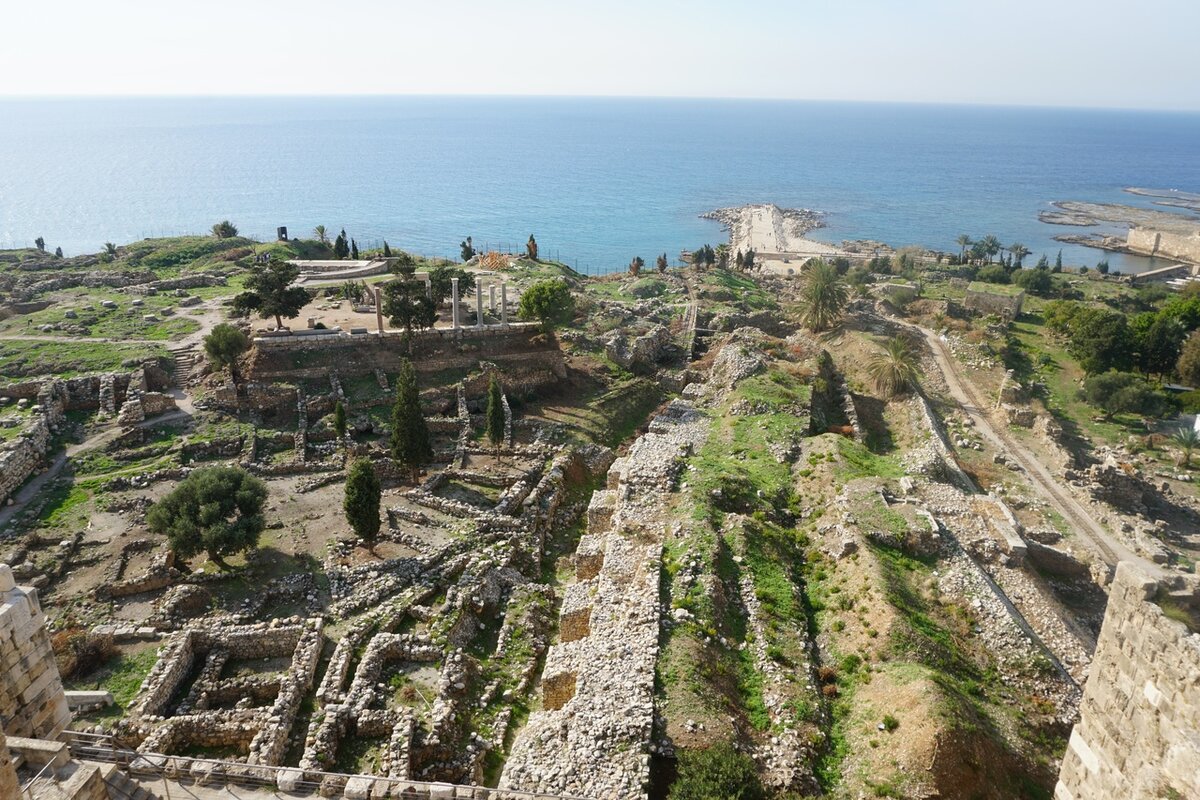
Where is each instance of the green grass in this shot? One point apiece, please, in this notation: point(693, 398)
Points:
point(124, 322)
point(167, 255)
point(20, 359)
point(859, 462)
point(122, 677)
point(775, 389)
point(22, 415)
point(1173, 610)
point(610, 417)
point(62, 504)
point(747, 291)
point(994, 288)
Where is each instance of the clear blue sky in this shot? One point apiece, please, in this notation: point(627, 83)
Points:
point(1038, 52)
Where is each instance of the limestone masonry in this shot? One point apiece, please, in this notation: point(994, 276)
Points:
point(32, 703)
point(1138, 735)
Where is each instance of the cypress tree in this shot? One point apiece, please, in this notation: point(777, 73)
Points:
point(495, 413)
point(410, 435)
point(1058, 262)
point(339, 419)
point(387, 251)
point(354, 250)
point(362, 499)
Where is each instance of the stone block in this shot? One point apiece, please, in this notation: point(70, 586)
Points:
point(558, 690)
point(87, 699)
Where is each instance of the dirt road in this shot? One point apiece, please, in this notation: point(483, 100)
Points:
point(1095, 536)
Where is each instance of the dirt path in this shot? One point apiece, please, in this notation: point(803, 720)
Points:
point(1058, 496)
point(30, 490)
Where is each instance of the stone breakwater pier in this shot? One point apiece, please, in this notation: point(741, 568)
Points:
point(593, 734)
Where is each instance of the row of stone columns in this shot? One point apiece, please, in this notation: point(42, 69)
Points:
point(454, 303)
point(479, 303)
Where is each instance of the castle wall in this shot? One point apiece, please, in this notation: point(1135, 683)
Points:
point(1162, 243)
point(8, 774)
point(32, 702)
point(1138, 736)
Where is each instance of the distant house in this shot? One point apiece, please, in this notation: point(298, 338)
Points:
point(994, 298)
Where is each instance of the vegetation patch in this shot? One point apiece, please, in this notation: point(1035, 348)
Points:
point(24, 358)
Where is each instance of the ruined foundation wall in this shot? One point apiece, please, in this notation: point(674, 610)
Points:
point(1138, 735)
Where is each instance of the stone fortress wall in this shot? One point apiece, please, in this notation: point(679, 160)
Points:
point(1165, 244)
point(32, 702)
point(1138, 736)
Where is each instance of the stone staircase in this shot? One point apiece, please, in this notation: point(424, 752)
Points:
point(185, 361)
point(121, 787)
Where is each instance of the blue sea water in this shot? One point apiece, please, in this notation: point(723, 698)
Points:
point(597, 180)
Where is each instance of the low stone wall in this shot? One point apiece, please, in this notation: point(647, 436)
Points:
point(201, 654)
point(1137, 736)
point(934, 459)
point(23, 456)
point(420, 339)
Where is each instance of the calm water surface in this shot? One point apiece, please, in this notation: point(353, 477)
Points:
point(597, 180)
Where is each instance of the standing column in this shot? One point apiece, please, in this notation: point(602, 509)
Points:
point(379, 310)
point(504, 304)
point(454, 302)
point(428, 288)
point(478, 306)
point(492, 298)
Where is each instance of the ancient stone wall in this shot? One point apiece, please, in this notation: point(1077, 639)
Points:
point(1161, 243)
point(23, 456)
point(521, 344)
point(32, 702)
point(592, 734)
point(985, 302)
point(8, 774)
point(1138, 735)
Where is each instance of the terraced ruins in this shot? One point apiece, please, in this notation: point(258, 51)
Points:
point(705, 543)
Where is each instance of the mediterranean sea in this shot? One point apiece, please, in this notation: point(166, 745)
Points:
point(597, 180)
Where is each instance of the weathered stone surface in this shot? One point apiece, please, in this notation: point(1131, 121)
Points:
point(32, 703)
point(1137, 733)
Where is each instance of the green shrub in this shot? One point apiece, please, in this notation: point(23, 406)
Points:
point(717, 773)
point(647, 287)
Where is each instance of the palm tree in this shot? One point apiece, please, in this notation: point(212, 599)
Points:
point(964, 242)
point(722, 255)
point(1018, 252)
point(991, 246)
point(1187, 439)
point(321, 234)
point(894, 369)
point(823, 295)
